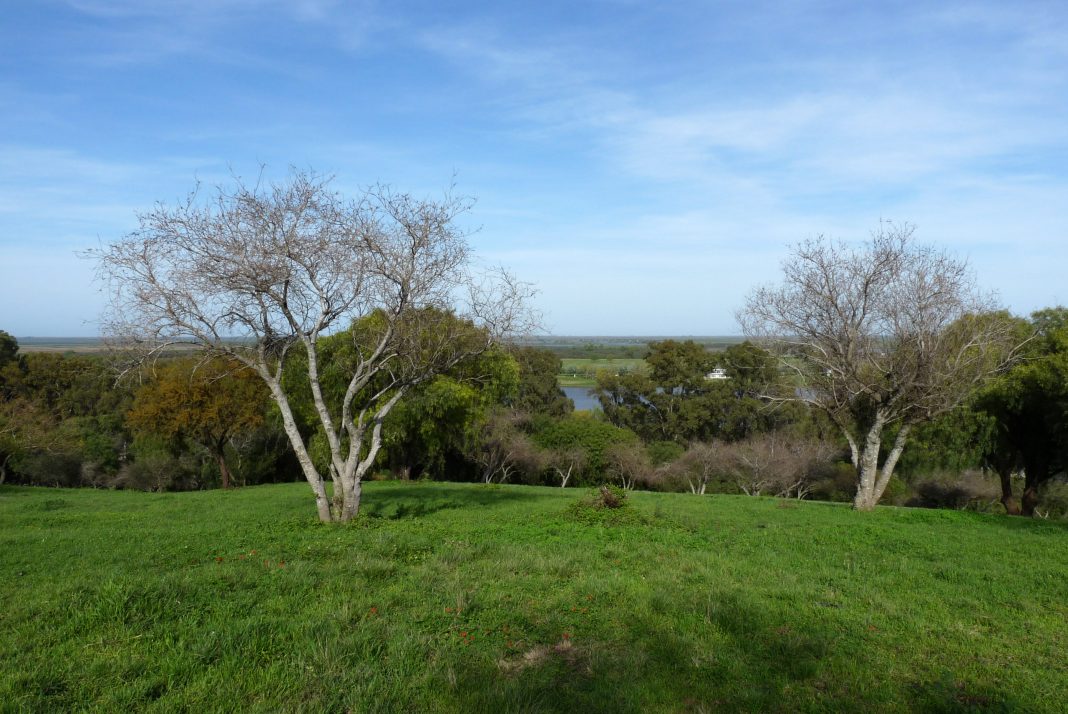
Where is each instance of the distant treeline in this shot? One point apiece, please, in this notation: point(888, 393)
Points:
point(193, 422)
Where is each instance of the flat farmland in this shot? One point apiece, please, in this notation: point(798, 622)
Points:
point(582, 372)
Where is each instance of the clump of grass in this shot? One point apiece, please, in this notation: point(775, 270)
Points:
point(607, 506)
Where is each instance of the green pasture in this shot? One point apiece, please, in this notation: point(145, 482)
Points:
point(467, 598)
point(581, 372)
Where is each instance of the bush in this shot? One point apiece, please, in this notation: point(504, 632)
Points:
point(1054, 499)
point(605, 505)
point(48, 469)
point(156, 472)
point(896, 493)
point(837, 482)
point(969, 489)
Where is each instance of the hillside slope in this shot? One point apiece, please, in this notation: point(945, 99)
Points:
point(449, 597)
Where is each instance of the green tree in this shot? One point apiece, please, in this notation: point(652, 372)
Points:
point(428, 433)
point(582, 433)
point(206, 401)
point(9, 349)
point(677, 400)
point(538, 391)
point(1029, 407)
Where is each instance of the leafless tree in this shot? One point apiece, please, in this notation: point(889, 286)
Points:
point(881, 336)
point(503, 450)
point(698, 465)
point(263, 272)
point(773, 463)
point(567, 463)
point(629, 462)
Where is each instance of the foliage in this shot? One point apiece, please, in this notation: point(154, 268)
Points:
point(586, 433)
point(675, 400)
point(428, 434)
point(1029, 409)
point(503, 449)
point(9, 349)
point(605, 505)
point(209, 401)
point(538, 391)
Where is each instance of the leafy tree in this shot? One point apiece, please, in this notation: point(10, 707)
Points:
point(584, 433)
point(879, 337)
point(1029, 408)
point(428, 433)
point(206, 401)
point(25, 429)
point(9, 349)
point(677, 401)
point(539, 392)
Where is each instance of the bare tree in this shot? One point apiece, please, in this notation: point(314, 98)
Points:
point(776, 463)
point(262, 273)
point(629, 462)
point(503, 450)
point(567, 463)
point(698, 465)
point(880, 337)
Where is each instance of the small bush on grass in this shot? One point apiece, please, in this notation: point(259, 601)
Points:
point(605, 505)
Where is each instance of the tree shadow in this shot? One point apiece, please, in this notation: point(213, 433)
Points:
point(414, 500)
point(756, 664)
point(651, 666)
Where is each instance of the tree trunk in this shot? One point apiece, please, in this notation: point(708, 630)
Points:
point(350, 507)
point(868, 467)
point(1012, 506)
point(224, 471)
point(311, 474)
point(887, 471)
point(1036, 471)
point(1030, 496)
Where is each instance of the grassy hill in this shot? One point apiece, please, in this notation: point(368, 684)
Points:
point(447, 597)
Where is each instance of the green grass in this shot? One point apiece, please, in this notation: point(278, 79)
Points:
point(447, 597)
point(582, 372)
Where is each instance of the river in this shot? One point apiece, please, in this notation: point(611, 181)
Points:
point(583, 399)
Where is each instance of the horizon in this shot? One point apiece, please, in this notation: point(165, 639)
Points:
point(644, 166)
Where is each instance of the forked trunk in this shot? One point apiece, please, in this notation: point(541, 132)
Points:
point(350, 506)
point(868, 469)
point(1012, 506)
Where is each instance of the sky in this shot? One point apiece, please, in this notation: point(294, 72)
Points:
point(644, 164)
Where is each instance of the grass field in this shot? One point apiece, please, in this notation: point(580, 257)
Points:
point(448, 597)
point(579, 372)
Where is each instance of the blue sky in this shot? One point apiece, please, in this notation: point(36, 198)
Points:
point(644, 164)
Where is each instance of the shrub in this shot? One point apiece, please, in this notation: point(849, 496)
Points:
point(837, 482)
point(606, 505)
point(969, 489)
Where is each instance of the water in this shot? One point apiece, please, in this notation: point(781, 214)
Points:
point(583, 399)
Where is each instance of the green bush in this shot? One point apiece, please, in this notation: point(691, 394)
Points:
point(605, 505)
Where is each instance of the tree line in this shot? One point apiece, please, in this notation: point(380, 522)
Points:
point(369, 343)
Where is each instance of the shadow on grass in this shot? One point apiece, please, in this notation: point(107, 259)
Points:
point(652, 666)
point(415, 500)
point(738, 658)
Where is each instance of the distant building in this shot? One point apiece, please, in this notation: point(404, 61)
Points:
point(717, 373)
